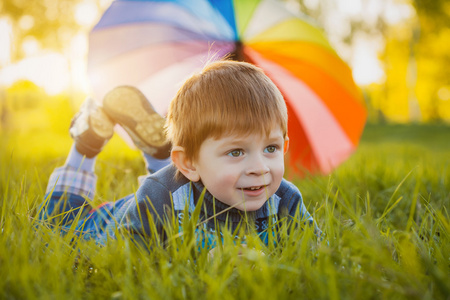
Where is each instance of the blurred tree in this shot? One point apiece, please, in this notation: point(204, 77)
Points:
point(47, 24)
point(416, 85)
point(433, 56)
point(399, 101)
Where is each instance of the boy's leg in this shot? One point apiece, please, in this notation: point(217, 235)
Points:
point(69, 186)
point(66, 194)
point(128, 107)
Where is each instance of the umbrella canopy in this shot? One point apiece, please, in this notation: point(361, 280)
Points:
point(156, 45)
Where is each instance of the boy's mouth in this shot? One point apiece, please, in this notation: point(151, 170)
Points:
point(254, 188)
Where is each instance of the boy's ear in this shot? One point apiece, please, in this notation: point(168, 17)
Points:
point(183, 164)
point(286, 145)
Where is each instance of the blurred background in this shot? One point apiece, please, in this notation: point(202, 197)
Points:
point(398, 50)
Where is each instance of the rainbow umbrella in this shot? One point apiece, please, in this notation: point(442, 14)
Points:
point(156, 45)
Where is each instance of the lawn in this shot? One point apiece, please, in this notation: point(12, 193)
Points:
point(384, 214)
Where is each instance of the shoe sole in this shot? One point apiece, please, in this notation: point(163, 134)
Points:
point(101, 125)
point(128, 107)
point(91, 128)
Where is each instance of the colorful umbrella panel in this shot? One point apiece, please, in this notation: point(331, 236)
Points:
point(156, 45)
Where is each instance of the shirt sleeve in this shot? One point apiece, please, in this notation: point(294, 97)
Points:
point(143, 215)
point(292, 199)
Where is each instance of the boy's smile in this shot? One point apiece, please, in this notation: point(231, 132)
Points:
point(242, 171)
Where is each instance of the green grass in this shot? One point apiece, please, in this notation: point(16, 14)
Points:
point(384, 213)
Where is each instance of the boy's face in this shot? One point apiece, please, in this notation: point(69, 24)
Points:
point(242, 170)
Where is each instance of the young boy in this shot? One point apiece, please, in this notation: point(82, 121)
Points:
point(227, 131)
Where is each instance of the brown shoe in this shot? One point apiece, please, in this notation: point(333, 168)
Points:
point(127, 106)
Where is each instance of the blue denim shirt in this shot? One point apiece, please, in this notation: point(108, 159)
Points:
point(165, 199)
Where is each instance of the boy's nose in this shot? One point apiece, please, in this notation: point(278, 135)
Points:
point(257, 166)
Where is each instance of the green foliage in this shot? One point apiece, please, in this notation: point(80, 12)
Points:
point(384, 214)
point(432, 52)
point(437, 10)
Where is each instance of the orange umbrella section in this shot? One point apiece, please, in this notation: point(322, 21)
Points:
point(326, 75)
point(319, 142)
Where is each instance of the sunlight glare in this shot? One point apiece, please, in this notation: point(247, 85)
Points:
point(350, 7)
point(5, 41)
point(30, 46)
point(78, 50)
point(49, 71)
point(86, 13)
point(366, 67)
point(26, 22)
point(397, 12)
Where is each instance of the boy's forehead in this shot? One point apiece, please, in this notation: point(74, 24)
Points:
point(275, 131)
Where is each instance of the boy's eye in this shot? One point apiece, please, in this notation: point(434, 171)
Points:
point(235, 153)
point(270, 149)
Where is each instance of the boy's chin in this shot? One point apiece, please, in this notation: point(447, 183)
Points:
point(250, 206)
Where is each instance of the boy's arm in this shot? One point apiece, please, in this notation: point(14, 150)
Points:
point(144, 213)
point(292, 199)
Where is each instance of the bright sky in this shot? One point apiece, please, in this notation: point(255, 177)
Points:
point(68, 69)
